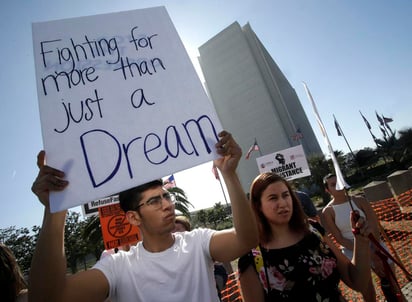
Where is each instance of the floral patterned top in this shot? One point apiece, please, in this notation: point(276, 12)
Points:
point(306, 271)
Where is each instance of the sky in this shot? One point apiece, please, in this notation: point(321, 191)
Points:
point(353, 55)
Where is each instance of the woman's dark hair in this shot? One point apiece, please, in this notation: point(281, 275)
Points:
point(326, 178)
point(11, 278)
point(130, 199)
point(183, 220)
point(297, 222)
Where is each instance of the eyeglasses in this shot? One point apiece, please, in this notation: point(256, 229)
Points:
point(157, 201)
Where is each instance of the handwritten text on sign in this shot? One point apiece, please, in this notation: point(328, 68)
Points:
point(120, 103)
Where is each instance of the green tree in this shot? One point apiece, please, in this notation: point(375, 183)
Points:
point(405, 143)
point(219, 215)
point(319, 167)
point(201, 217)
point(92, 235)
point(389, 147)
point(366, 157)
point(182, 203)
point(22, 242)
point(75, 246)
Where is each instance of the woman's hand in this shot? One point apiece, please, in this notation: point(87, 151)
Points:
point(359, 224)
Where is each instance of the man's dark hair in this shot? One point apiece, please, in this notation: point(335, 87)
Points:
point(130, 199)
point(325, 179)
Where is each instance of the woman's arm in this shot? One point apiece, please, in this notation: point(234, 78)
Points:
point(356, 273)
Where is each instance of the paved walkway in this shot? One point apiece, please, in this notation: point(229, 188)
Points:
point(407, 291)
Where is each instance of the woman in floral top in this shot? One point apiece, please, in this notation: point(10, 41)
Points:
point(294, 262)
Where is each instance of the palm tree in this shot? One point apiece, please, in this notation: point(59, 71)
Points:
point(182, 204)
point(92, 234)
point(390, 147)
point(405, 141)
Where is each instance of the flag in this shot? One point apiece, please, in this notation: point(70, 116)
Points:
point(298, 135)
point(379, 119)
point(383, 131)
point(170, 182)
point(254, 147)
point(387, 119)
point(215, 172)
point(366, 121)
point(337, 127)
point(340, 181)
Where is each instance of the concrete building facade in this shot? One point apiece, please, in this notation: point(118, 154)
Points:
point(252, 97)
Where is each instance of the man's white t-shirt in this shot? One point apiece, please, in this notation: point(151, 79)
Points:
point(184, 272)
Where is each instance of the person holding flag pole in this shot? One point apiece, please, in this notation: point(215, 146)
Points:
point(331, 221)
point(335, 219)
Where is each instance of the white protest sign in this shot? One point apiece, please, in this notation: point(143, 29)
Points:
point(289, 163)
point(92, 208)
point(120, 103)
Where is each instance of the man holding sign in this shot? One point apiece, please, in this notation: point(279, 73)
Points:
point(117, 95)
point(164, 266)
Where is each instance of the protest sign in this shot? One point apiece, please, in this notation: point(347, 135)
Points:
point(120, 103)
point(289, 163)
point(116, 229)
point(92, 208)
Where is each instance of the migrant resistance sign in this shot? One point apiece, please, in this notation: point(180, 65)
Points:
point(120, 103)
point(289, 163)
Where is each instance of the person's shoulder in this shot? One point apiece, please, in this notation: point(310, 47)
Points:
point(302, 194)
point(328, 209)
point(361, 202)
point(359, 198)
point(195, 233)
point(106, 253)
point(23, 296)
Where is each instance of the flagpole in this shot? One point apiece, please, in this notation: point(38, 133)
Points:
point(223, 191)
point(384, 130)
point(260, 151)
point(216, 174)
point(344, 137)
point(369, 128)
point(385, 124)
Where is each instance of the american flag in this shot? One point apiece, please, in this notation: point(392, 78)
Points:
point(387, 119)
point(170, 182)
point(254, 147)
point(298, 135)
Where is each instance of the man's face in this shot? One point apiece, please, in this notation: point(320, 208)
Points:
point(157, 211)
